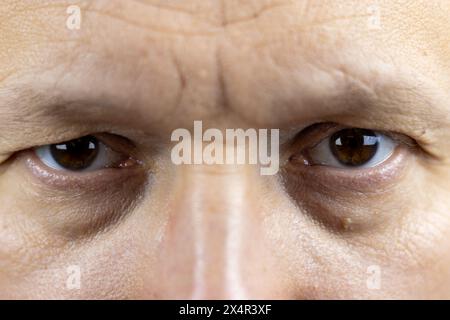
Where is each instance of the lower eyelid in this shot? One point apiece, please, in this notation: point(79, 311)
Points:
point(84, 181)
point(366, 180)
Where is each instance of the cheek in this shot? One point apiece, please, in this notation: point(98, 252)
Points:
point(423, 244)
point(333, 242)
point(44, 233)
point(320, 264)
point(314, 262)
point(103, 269)
point(47, 234)
point(38, 259)
point(21, 237)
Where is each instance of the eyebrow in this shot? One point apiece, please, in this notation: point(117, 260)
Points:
point(24, 112)
point(403, 101)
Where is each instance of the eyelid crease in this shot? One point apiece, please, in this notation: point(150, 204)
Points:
point(117, 143)
point(4, 157)
point(411, 144)
point(402, 139)
point(312, 136)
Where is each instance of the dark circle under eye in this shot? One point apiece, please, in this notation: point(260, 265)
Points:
point(354, 147)
point(76, 154)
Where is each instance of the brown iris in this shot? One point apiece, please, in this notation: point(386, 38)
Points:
point(76, 154)
point(354, 147)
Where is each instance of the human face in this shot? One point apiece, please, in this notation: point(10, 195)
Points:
point(138, 226)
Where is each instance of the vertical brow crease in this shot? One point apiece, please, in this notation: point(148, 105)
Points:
point(181, 78)
point(165, 7)
point(229, 22)
point(223, 99)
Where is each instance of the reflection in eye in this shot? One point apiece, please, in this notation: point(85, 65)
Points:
point(83, 155)
point(352, 147)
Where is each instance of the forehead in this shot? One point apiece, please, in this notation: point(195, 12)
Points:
point(203, 55)
point(254, 21)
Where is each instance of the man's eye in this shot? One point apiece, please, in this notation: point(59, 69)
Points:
point(352, 148)
point(81, 155)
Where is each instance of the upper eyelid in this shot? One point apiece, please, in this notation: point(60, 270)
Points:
point(117, 143)
point(113, 141)
point(402, 139)
point(303, 138)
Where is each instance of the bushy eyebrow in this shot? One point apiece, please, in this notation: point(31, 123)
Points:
point(400, 103)
point(29, 118)
point(404, 105)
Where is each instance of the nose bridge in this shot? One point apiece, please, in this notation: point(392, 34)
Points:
point(211, 224)
point(220, 222)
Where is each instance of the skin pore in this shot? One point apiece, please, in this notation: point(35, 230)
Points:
point(137, 70)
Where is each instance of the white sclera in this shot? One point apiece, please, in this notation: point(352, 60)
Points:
point(323, 155)
point(101, 160)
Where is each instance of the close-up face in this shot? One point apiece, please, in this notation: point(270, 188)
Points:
point(224, 149)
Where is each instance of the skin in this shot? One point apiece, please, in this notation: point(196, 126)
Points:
point(141, 69)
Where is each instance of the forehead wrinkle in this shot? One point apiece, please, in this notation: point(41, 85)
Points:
point(148, 16)
point(393, 43)
point(238, 12)
point(220, 13)
point(317, 12)
point(305, 81)
point(194, 8)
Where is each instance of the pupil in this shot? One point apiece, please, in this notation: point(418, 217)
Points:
point(354, 147)
point(76, 154)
